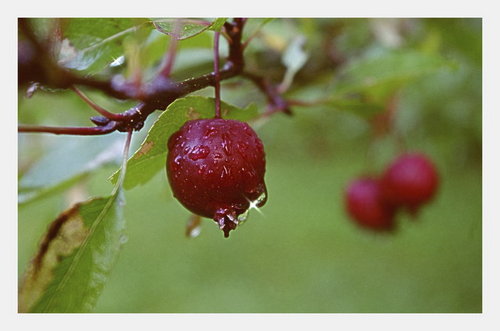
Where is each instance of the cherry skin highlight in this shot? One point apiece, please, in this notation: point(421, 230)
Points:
point(410, 181)
point(365, 205)
point(216, 168)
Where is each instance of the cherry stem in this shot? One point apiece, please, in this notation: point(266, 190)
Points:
point(123, 170)
point(172, 50)
point(96, 107)
point(217, 75)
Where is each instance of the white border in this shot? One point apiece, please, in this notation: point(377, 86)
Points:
point(255, 8)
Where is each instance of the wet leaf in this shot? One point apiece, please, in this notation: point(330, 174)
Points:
point(150, 157)
point(188, 27)
point(68, 161)
point(218, 24)
point(74, 259)
point(91, 44)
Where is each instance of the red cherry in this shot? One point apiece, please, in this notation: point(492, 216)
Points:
point(28, 69)
point(366, 206)
point(216, 169)
point(410, 181)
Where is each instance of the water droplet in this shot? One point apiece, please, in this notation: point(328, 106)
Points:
point(199, 152)
point(225, 144)
point(225, 171)
point(195, 232)
point(225, 147)
point(251, 173)
point(262, 198)
point(123, 239)
point(243, 216)
point(210, 132)
point(177, 163)
point(242, 146)
point(201, 169)
point(193, 227)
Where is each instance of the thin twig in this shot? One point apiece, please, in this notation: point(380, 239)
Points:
point(99, 109)
point(172, 50)
point(80, 131)
point(276, 101)
point(123, 170)
point(217, 75)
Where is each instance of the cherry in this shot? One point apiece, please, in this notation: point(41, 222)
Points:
point(410, 181)
point(365, 205)
point(28, 68)
point(216, 169)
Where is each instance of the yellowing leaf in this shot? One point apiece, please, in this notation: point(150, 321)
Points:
point(74, 258)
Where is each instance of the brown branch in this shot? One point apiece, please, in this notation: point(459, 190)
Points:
point(155, 95)
point(276, 101)
point(81, 131)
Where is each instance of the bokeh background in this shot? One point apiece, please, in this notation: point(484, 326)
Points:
point(302, 253)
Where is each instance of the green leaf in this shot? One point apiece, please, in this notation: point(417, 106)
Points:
point(218, 24)
point(151, 156)
point(91, 44)
point(188, 27)
point(71, 159)
point(75, 258)
point(382, 74)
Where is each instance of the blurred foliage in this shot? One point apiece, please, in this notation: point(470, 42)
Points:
point(383, 81)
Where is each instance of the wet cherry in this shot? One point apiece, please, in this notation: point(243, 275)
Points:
point(410, 181)
point(216, 169)
point(365, 205)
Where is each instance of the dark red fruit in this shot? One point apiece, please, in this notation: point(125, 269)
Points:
point(410, 181)
point(28, 68)
point(365, 205)
point(216, 169)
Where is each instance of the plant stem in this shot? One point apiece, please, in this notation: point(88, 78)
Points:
point(81, 131)
point(274, 98)
point(216, 74)
point(123, 170)
point(96, 107)
point(172, 50)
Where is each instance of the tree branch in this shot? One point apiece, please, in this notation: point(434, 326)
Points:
point(274, 98)
point(155, 95)
point(81, 131)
